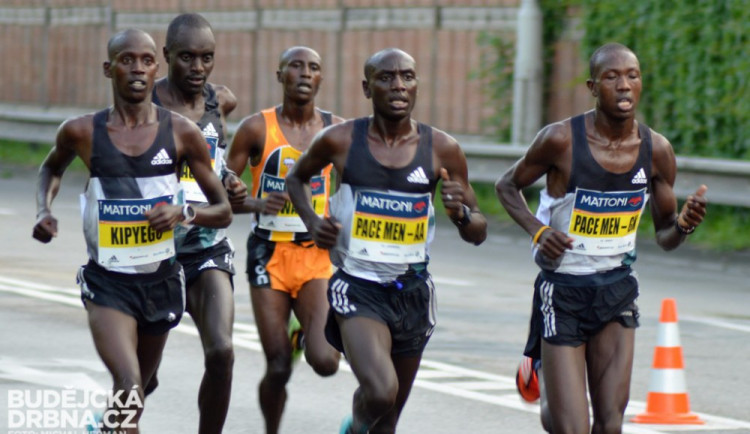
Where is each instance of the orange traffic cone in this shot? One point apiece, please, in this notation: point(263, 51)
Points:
point(668, 401)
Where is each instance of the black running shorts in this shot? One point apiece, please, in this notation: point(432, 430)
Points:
point(156, 300)
point(567, 314)
point(406, 307)
point(218, 257)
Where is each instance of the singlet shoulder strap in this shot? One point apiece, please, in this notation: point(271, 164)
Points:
point(327, 118)
point(211, 102)
point(578, 128)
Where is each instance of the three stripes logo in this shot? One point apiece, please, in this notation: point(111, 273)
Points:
point(161, 158)
point(417, 176)
point(640, 177)
point(339, 299)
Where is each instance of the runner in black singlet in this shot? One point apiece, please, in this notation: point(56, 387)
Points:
point(382, 221)
point(205, 253)
point(132, 287)
point(601, 168)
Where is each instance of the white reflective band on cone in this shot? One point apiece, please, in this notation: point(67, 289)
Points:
point(667, 381)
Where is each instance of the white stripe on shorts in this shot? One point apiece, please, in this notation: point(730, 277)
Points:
point(340, 301)
point(548, 311)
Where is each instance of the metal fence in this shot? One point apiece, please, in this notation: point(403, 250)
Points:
point(728, 181)
point(54, 49)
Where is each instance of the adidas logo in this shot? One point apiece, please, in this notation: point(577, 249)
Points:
point(418, 176)
point(580, 247)
point(363, 252)
point(640, 177)
point(210, 131)
point(208, 264)
point(161, 158)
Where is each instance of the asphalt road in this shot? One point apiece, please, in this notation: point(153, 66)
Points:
point(466, 380)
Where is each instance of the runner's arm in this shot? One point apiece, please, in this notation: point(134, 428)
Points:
point(457, 193)
point(548, 148)
point(50, 175)
point(327, 147)
point(247, 146)
point(671, 228)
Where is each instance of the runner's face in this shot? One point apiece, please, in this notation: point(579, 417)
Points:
point(392, 86)
point(617, 83)
point(133, 69)
point(191, 59)
point(300, 74)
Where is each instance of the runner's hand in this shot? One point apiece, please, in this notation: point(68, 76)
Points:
point(45, 228)
point(452, 193)
point(236, 189)
point(553, 243)
point(164, 217)
point(273, 203)
point(325, 232)
point(694, 209)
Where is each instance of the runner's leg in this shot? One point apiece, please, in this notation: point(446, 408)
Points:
point(210, 303)
point(311, 307)
point(564, 369)
point(609, 358)
point(367, 344)
point(271, 309)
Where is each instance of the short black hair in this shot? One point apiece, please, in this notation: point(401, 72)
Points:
point(375, 58)
point(192, 21)
point(610, 47)
point(283, 57)
point(115, 43)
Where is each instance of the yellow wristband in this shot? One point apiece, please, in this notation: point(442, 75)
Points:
point(539, 233)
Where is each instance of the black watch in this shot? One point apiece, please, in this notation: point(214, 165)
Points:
point(681, 230)
point(466, 219)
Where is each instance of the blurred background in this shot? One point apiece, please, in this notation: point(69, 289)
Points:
point(492, 73)
point(694, 55)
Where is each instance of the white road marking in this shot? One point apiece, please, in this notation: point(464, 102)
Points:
point(26, 371)
point(437, 280)
point(433, 375)
point(716, 323)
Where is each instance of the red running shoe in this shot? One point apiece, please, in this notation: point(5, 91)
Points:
point(527, 382)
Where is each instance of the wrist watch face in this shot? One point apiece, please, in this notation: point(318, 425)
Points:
point(189, 212)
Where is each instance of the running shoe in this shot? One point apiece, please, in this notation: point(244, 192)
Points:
point(346, 425)
point(297, 338)
point(527, 381)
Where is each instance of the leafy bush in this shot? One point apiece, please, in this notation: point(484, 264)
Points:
point(695, 60)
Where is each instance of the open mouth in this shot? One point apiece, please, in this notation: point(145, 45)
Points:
point(138, 85)
point(625, 104)
point(196, 81)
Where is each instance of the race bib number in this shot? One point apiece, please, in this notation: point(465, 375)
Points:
point(193, 192)
point(126, 238)
point(287, 220)
point(390, 227)
point(605, 223)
